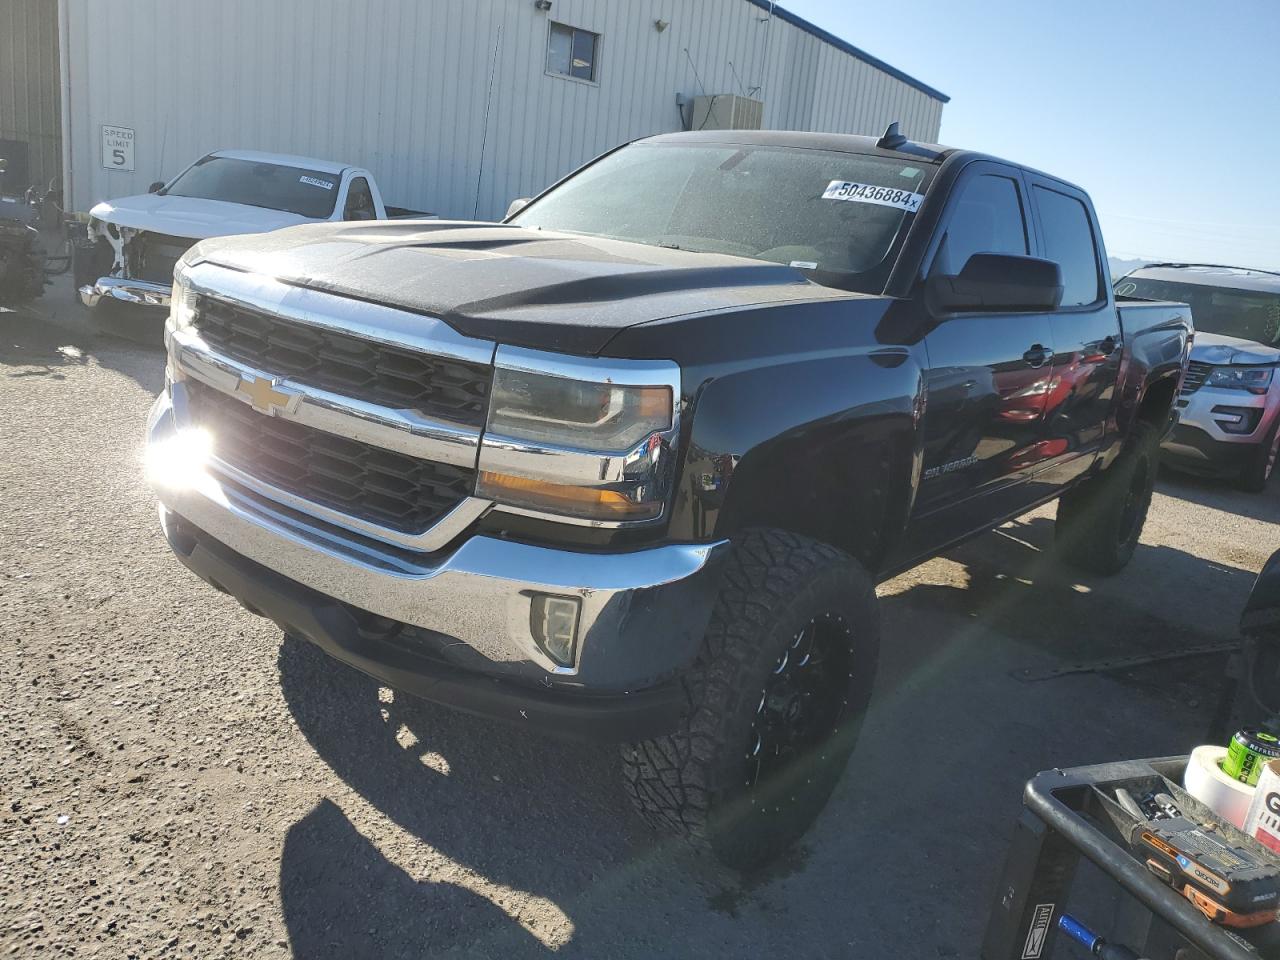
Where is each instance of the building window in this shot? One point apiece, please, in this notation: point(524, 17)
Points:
point(572, 52)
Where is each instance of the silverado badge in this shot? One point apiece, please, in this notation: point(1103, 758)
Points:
point(262, 393)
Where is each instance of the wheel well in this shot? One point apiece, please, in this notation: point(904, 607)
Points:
point(1157, 402)
point(856, 502)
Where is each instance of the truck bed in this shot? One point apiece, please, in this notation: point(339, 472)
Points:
point(1138, 316)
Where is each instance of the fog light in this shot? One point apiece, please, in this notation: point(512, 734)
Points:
point(178, 461)
point(554, 622)
point(1240, 420)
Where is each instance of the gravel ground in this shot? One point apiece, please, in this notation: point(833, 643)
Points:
point(178, 779)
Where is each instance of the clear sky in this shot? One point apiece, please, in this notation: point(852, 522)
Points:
point(1168, 113)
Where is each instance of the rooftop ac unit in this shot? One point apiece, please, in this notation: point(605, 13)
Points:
point(727, 111)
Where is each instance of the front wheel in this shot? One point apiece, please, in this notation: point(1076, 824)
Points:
point(776, 700)
point(1261, 463)
point(1099, 522)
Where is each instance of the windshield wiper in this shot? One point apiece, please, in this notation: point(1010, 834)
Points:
point(669, 246)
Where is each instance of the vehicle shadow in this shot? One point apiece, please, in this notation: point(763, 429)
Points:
point(358, 904)
point(529, 832)
point(41, 341)
point(533, 849)
point(1164, 599)
point(1131, 629)
point(1222, 495)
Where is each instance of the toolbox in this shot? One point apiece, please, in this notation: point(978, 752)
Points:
point(1072, 814)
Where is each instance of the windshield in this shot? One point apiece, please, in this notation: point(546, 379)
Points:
point(1246, 314)
point(308, 193)
point(835, 214)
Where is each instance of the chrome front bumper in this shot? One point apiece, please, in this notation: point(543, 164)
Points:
point(1207, 410)
point(643, 613)
point(142, 292)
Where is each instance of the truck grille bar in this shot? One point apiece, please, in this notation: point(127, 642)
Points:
point(361, 480)
point(452, 390)
point(1195, 377)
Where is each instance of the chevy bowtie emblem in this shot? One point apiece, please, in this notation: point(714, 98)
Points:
point(264, 396)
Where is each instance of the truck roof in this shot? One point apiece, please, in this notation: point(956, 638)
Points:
point(284, 160)
point(848, 143)
point(1212, 275)
point(845, 142)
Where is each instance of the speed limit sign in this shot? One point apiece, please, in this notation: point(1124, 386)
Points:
point(117, 147)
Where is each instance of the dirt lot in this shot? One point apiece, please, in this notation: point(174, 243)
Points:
point(180, 780)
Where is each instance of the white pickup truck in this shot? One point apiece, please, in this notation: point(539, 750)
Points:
point(133, 243)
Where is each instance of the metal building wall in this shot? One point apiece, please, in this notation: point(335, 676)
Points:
point(404, 87)
point(29, 89)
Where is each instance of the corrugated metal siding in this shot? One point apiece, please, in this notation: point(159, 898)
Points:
point(400, 86)
point(29, 85)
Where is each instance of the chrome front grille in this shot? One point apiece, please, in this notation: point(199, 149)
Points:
point(1195, 377)
point(358, 479)
point(454, 391)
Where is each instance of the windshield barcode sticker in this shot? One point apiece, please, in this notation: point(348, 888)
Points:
point(316, 183)
point(872, 193)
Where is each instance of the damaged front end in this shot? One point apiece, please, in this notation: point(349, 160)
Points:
point(127, 264)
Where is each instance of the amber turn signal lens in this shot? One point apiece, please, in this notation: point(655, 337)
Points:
point(588, 502)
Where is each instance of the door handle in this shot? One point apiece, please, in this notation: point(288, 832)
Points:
point(1099, 350)
point(1038, 355)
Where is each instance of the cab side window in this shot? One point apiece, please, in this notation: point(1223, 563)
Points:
point(1068, 239)
point(359, 201)
point(988, 218)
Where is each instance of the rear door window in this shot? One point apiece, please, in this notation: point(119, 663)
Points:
point(1068, 239)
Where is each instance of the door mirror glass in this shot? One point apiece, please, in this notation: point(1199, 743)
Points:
point(516, 207)
point(993, 282)
point(156, 187)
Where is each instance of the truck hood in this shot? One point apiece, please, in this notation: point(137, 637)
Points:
point(1222, 351)
point(549, 291)
point(191, 216)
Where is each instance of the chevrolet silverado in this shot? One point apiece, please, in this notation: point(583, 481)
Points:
point(629, 465)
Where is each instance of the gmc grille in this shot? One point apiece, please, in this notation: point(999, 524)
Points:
point(1196, 375)
point(361, 480)
point(440, 388)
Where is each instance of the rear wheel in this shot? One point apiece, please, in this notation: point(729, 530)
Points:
point(1100, 521)
point(776, 700)
point(1261, 463)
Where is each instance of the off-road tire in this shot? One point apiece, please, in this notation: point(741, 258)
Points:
point(1256, 472)
point(1100, 521)
point(695, 783)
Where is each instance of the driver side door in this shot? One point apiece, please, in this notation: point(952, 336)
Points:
point(989, 372)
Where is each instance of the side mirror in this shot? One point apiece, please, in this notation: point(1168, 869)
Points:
point(156, 187)
point(516, 207)
point(997, 282)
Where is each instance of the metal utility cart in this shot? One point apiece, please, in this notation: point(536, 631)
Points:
point(1069, 814)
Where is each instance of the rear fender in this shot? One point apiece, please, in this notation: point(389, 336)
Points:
point(1154, 362)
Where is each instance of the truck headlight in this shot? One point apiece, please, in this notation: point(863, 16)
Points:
point(580, 439)
point(1253, 379)
point(576, 413)
point(182, 300)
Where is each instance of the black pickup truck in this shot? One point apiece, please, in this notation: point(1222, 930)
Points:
point(629, 465)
